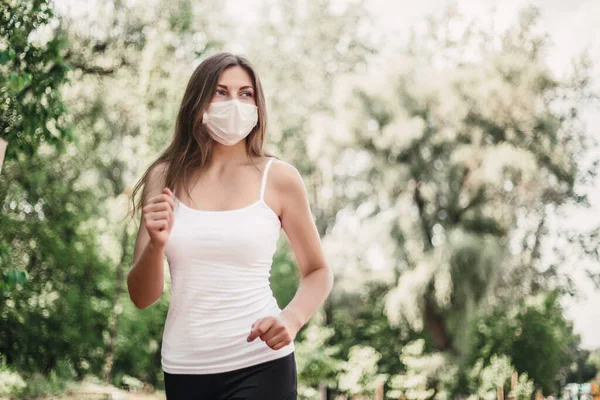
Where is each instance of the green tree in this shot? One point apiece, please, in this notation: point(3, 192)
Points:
point(60, 313)
point(32, 112)
point(468, 157)
point(32, 71)
point(472, 156)
point(534, 334)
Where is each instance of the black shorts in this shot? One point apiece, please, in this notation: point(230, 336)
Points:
point(272, 380)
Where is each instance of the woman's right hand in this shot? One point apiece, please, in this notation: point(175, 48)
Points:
point(158, 217)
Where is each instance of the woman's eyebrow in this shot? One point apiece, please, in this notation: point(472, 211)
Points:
point(243, 87)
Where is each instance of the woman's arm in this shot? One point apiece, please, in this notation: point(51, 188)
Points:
point(289, 197)
point(297, 222)
point(145, 280)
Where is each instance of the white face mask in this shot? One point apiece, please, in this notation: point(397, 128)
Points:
point(229, 122)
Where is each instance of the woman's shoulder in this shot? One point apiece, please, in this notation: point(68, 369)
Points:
point(285, 176)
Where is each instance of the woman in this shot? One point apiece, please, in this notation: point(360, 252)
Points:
point(224, 336)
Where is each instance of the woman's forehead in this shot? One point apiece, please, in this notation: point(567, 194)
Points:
point(235, 77)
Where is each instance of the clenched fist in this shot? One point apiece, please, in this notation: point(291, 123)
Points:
point(158, 217)
point(275, 331)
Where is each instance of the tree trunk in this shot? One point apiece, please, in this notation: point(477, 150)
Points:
point(3, 146)
point(379, 393)
point(323, 391)
point(435, 324)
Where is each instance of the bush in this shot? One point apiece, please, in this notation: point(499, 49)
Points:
point(10, 382)
point(37, 384)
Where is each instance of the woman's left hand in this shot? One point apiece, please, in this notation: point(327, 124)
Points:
point(275, 331)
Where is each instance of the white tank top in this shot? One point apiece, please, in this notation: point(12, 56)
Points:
point(220, 264)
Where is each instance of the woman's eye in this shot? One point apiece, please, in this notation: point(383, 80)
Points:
point(220, 92)
point(247, 94)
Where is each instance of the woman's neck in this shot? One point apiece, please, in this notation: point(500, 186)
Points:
point(222, 155)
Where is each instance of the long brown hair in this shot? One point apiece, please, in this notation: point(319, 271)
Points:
point(191, 145)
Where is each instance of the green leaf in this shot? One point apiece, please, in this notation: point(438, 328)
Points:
point(11, 277)
point(21, 277)
point(4, 57)
point(20, 83)
point(13, 76)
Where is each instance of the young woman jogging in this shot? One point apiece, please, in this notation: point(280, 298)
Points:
point(214, 204)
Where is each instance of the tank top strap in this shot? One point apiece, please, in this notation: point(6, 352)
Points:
point(263, 184)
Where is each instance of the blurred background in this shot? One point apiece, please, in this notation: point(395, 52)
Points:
point(450, 150)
